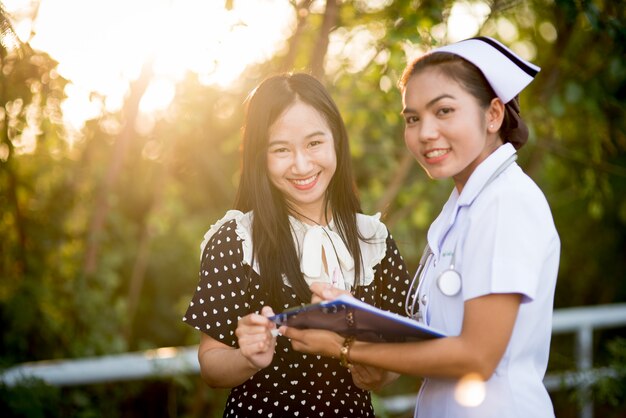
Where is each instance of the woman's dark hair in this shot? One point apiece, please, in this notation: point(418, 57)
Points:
point(513, 128)
point(273, 246)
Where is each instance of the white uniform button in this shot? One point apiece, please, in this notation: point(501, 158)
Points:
point(424, 299)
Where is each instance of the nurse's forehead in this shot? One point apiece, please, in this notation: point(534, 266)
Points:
point(429, 86)
point(433, 79)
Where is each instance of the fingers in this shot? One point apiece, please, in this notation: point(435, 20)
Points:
point(289, 332)
point(254, 319)
point(357, 378)
point(365, 373)
point(370, 378)
point(298, 338)
point(324, 291)
point(313, 341)
point(267, 311)
point(256, 323)
point(255, 332)
point(255, 340)
point(361, 378)
point(251, 344)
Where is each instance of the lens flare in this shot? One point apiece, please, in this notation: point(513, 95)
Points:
point(470, 390)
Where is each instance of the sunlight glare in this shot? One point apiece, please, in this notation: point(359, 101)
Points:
point(158, 96)
point(470, 390)
point(78, 106)
point(439, 31)
point(353, 49)
point(4, 152)
point(466, 18)
point(163, 352)
point(548, 31)
point(525, 49)
point(101, 45)
point(507, 31)
point(413, 50)
point(257, 32)
point(22, 30)
point(25, 141)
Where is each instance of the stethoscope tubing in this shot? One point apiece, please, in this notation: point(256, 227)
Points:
point(417, 278)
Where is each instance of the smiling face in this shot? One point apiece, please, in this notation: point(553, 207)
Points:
point(301, 159)
point(447, 130)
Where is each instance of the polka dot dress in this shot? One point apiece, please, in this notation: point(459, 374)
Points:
point(294, 384)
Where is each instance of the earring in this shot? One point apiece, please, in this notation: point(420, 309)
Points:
point(490, 126)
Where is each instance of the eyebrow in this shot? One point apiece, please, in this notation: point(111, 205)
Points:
point(429, 104)
point(309, 136)
point(316, 133)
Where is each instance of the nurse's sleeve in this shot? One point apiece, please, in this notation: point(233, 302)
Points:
point(507, 240)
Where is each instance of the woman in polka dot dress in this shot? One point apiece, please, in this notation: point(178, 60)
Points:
point(296, 221)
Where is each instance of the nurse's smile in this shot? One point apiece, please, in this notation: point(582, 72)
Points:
point(436, 155)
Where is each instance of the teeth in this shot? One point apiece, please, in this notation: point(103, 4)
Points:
point(436, 153)
point(304, 182)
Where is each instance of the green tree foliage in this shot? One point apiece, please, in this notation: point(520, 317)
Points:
point(34, 252)
point(100, 235)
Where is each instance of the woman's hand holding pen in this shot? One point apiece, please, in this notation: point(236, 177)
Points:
point(257, 338)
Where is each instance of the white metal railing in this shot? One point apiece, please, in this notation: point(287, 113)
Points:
point(170, 361)
point(160, 362)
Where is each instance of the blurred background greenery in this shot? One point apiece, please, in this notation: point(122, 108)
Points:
point(100, 224)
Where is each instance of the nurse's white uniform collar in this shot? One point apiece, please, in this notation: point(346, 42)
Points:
point(482, 174)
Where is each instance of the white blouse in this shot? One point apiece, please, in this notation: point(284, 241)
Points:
point(324, 256)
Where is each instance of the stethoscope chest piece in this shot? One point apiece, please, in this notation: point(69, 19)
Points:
point(449, 282)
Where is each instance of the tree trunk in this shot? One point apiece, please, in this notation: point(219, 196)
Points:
point(101, 210)
point(397, 180)
point(302, 13)
point(331, 15)
point(140, 266)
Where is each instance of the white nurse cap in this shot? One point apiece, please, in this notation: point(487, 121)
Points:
point(506, 72)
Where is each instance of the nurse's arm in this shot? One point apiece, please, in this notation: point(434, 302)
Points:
point(487, 327)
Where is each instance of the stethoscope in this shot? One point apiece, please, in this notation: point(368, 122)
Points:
point(449, 281)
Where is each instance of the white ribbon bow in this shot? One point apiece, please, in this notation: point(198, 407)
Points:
point(319, 240)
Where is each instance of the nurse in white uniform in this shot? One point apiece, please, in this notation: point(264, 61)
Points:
point(488, 274)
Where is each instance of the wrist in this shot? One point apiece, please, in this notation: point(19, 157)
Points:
point(252, 368)
point(344, 352)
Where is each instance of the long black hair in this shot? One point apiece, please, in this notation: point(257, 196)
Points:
point(273, 245)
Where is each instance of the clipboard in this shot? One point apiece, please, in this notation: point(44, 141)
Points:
point(347, 316)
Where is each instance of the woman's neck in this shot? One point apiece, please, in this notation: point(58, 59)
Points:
point(310, 217)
